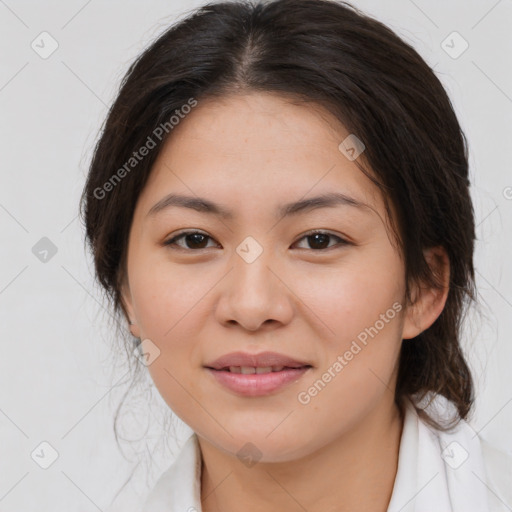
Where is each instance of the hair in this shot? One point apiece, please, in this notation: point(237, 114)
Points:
point(330, 55)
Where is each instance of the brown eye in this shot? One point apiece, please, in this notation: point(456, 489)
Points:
point(193, 240)
point(319, 240)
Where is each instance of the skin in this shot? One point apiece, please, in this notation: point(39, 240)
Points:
point(252, 152)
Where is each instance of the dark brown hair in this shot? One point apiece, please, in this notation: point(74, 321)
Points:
point(331, 55)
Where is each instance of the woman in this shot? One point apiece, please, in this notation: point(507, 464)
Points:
point(279, 208)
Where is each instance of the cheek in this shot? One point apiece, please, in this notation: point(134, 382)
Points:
point(360, 306)
point(351, 297)
point(166, 298)
point(170, 305)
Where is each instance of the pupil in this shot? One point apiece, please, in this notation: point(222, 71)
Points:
point(315, 237)
point(196, 237)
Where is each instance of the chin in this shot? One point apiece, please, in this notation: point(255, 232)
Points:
point(258, 447)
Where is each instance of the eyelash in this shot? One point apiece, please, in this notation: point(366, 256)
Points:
point(171, 242)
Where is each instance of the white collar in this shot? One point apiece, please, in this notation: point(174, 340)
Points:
point(179, 487)
point(437, 472)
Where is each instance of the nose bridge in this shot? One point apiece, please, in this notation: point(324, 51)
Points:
point(252, 276)
point(253, 293)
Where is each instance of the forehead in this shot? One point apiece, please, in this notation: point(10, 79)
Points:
point(249, 150)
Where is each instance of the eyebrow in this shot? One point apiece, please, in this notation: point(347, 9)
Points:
point(200, 204)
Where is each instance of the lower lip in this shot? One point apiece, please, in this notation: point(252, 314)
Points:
point(258, 384)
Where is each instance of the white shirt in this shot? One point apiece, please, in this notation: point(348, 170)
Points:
point(437, 472)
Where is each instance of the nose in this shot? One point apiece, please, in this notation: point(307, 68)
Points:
point(254, 296)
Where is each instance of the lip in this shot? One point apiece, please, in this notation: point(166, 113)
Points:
point(261, 360)
point(258, 384)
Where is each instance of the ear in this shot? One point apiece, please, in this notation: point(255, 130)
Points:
point(127, 305)
point(428, 302)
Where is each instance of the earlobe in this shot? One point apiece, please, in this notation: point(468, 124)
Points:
point(428, 301)
point(127, 306)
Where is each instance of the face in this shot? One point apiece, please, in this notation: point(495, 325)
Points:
point(323, 285)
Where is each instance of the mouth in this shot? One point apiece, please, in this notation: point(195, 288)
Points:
point(250, 370)
point(249, 381)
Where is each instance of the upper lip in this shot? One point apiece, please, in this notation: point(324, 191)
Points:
point(261, 360)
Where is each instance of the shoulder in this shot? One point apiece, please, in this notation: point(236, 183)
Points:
point(498, 469)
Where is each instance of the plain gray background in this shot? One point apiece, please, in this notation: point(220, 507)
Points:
point(57, 374)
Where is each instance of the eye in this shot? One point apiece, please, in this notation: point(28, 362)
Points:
point(318, 240)
point(193, 240)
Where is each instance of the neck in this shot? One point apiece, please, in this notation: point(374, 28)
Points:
point(354, 472)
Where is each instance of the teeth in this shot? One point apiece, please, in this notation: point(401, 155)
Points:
point(267, 369)
point(249, 370)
